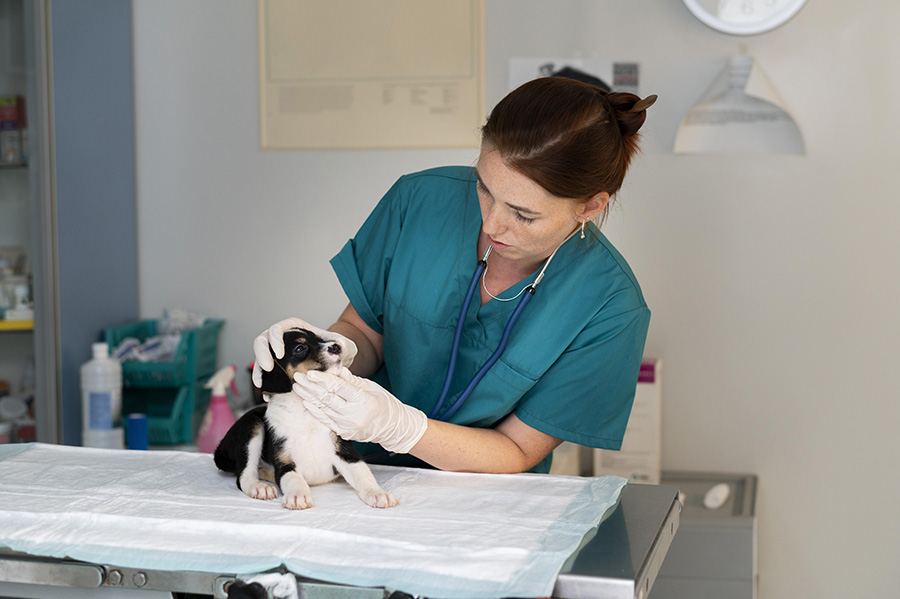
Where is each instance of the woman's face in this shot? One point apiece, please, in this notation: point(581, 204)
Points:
point(520, 218)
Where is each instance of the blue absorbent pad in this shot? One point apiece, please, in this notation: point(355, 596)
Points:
point(452, 536)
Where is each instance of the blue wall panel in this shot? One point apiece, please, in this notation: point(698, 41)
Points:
point(93, 105)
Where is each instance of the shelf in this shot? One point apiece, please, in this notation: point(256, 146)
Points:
point(16, 325)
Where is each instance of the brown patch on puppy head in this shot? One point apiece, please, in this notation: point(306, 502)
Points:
point(299, 355)
point(305, 351)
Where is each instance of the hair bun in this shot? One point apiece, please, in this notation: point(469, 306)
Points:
point(642, 105)
point(629, 111)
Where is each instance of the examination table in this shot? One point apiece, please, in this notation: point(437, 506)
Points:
point(518, 535)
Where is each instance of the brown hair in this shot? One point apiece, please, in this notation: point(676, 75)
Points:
point(571, 138)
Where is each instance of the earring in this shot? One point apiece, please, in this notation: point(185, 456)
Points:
point(582, 228)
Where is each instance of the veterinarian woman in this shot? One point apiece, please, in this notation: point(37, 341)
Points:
point(554, 152)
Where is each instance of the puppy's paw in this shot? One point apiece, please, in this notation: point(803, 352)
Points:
point(379, 498)
point(261, 490)
point(297, 501)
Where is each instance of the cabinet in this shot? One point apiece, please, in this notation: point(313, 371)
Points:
point(714, 553)
point(76, 212)
point(16, 230)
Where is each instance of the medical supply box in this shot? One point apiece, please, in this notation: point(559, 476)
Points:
point(640, 457)
point(170, 393)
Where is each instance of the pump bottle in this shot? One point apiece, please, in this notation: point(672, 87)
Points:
point(218, 418)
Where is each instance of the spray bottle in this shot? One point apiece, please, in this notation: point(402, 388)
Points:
point(218, 418)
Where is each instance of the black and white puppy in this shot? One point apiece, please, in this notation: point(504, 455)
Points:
point(282, 442)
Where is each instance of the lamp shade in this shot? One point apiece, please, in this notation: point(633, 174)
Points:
point(741, 114)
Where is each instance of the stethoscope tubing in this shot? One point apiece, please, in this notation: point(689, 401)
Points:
point(454, 350)
point(494, 357)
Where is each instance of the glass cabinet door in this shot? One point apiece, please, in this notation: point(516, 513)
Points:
point(28, 356)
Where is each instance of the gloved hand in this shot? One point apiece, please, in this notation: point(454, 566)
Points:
point(274, 337)
point(358, 409)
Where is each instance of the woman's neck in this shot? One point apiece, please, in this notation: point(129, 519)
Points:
point(501, 273)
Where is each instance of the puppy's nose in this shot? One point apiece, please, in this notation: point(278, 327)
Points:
point(334, 348)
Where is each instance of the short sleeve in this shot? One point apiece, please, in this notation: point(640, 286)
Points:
point(363, 264)
point(586, 396)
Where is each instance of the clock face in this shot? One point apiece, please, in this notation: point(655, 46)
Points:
point(744, 17)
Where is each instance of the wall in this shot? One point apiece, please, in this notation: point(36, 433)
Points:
point(773, 280)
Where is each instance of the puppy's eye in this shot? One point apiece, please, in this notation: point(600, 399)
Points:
point(301, 351)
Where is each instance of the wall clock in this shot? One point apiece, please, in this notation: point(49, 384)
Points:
point(744, 17)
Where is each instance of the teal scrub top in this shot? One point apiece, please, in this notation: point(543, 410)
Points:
point(571, 366)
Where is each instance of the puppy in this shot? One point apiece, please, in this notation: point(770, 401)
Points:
point(282, 442)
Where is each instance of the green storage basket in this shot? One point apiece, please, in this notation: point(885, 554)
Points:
point(173, 414)
point(194, 359)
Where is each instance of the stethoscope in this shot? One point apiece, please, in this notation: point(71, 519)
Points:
point(463, 311)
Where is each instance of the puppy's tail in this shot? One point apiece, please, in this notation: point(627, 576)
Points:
point(223, 461)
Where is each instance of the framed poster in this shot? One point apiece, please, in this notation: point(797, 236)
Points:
point(379, 74)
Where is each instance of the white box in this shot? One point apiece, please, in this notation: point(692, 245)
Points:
point(571, 459)
point(639, 459)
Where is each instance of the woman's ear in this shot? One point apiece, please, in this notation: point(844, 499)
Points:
point(593, 207)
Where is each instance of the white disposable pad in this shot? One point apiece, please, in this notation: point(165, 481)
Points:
point(453, 535)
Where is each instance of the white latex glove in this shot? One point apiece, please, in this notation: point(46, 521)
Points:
point(274, 337)
point(358, 409)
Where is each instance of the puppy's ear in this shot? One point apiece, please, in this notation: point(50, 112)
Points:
point(276, 380)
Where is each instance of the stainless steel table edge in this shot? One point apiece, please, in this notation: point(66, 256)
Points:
point(652, 565)
point(632, 526)
point(17, 567)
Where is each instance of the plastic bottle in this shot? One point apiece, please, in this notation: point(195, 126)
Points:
point(219, 417)
point(101, 400)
